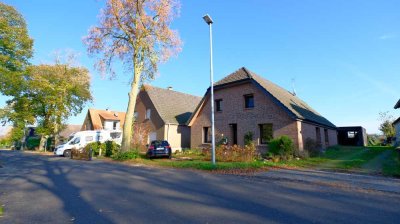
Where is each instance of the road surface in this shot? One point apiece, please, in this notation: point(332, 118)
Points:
point(48, 189)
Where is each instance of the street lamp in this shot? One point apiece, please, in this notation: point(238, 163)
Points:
point(209, 21)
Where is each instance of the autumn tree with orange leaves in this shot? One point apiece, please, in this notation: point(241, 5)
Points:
point(138, 33)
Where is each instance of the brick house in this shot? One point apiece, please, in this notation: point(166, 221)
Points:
point(396, 125)
point(103, 120)
point(165, 112)
point(246, 102)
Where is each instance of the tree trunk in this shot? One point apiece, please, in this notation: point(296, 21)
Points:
point(55, 134)
point(42, 142)
point(128, 123)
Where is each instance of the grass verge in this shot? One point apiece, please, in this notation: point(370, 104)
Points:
point(376, 160)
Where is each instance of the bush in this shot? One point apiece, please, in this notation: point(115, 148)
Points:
point(96, 148)
point(282, 147)
point(304, 154)
point(111, 148)
point(81, 154)
point(248, 138)
point(235, 153)
point(196, 152)
point(312, 147)
point(32, 143)
point(107, 148)
point(121, 156)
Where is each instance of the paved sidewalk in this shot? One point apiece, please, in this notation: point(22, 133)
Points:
point(343, 180)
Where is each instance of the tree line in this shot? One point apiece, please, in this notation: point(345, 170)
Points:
point(46, 94)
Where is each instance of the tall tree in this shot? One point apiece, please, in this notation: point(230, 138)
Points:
point(57, 92)
point(138, 33)
point(15, 50)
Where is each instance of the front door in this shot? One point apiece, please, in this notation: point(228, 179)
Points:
point(233, 134)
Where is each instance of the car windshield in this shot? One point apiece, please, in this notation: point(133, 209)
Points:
point(160, 143)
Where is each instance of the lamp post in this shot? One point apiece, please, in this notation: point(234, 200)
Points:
point(209, 21)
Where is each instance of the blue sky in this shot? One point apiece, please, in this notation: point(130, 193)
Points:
point(343, 55)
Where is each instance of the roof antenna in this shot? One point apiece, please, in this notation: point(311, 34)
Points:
point(293, 88)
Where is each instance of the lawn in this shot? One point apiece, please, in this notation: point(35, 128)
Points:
point(371, 160)
point(374, 160)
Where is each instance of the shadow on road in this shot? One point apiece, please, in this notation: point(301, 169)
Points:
point(102, 192)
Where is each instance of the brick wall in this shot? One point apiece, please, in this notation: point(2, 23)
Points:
point(308, 130)
point(155, 123)
point(234, 112)
point(264, 111)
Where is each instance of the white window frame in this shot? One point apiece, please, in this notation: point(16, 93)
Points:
point(148, 113)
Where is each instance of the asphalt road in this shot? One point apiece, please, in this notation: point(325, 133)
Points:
point(47, 189)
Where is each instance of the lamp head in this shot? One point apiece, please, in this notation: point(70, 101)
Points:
point(207, 19)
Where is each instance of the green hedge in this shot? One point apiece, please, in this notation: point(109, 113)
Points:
point(282, 147)
point(107, 148)
point(32, 143)
point(132, 154)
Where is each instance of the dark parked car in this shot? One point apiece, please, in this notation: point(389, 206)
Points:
point(159, 149)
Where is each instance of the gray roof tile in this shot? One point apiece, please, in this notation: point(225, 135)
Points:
point(295, 106)
point(172, 106)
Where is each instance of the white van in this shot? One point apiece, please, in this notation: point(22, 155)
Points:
point(80, 139)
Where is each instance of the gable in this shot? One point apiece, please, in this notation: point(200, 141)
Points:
point(95, 118)
point(294, 106)
point(172, 107)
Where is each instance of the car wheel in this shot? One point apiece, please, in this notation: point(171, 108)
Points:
point(67, 153)
point(170, 154)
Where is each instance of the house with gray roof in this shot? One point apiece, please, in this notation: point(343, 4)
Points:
point(162, 114)
point(247, 103)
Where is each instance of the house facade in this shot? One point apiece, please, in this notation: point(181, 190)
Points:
point(103, 120)
point(396, 125)
point(161, 114)
point(247, 103)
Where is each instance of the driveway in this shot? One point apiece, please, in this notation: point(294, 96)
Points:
point(47, 189)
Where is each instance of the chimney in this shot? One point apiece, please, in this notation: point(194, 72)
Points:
point(170, 88)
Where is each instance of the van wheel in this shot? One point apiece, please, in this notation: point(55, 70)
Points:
point(67, 153)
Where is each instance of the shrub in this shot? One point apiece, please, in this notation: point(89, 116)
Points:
point(235, 153)
point(81, 154)
point(312, 147)
point(304, 154)
point(121, 156)
point(248, 138)
point(196, 152)
point(111, 148)
point(32, 143)
point(107, 148)
point(96, 148)
point(282, 147)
